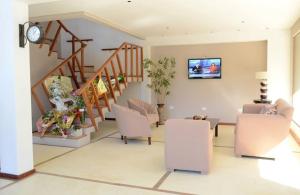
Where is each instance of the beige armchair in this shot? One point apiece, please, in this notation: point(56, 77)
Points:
point(257, 134)
point(131, 123)
point(148, 110)
point(188, 145)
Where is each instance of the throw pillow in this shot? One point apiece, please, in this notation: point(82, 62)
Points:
point(269, 109)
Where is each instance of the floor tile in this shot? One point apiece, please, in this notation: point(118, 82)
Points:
point(5, 182)
point(111, 160)
point(40, 184)
point(234, 175)
point(42, 153)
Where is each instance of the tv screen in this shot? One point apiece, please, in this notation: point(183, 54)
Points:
point(204, 68)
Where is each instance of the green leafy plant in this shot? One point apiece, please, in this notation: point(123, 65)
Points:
point(161, 74)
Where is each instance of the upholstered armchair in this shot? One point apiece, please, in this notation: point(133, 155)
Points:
point(257, 134)
point(131, 123)
point(188, 145)
point(148, 110)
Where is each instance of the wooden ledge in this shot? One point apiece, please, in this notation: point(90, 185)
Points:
point(12, 176)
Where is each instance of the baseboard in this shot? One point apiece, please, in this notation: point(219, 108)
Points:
point(110, 119)
point(229, 124)
point(221, 123)
point(12, 176)
point(258, 157)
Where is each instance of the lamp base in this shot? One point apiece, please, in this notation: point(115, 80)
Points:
point(262, 101)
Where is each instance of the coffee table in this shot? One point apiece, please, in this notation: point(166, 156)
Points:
point(214, 124)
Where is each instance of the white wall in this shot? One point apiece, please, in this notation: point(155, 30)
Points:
point(217, 98)
point(296, 71)
point(278, 53)
point(15, 125)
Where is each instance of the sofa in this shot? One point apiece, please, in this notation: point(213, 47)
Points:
point(257, 134)
point(188, 145)
point(131, 123)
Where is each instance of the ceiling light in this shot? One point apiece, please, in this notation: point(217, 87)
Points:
point(243, 21)
point(129, 1)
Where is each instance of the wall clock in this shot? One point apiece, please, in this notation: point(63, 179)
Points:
point(34, 33)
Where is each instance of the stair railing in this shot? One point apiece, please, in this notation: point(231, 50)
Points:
point(65, 68)
point(111, 69)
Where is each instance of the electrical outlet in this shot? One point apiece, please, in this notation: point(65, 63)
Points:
point(203, 108)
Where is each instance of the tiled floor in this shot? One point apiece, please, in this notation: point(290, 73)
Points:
point(42, 153)
point(108, 166)
point(5, 182)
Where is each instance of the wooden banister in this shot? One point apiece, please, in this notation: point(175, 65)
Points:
point(126, 63)
point(55, 40)
point(88, 89)
point(56, 68)
point(46, 33)
point(142, 64)
point(137, 63)
point(131, 61)
point(73, 35)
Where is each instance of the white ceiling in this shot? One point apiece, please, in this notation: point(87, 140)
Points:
point(179, 17)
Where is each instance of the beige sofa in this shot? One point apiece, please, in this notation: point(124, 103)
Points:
point(131, 123)
point(257, 134)
point(188, 145)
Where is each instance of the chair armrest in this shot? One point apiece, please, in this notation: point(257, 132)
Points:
point(253, 108)
point(271, 125)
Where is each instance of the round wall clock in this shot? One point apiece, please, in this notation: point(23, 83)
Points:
point(34, 33)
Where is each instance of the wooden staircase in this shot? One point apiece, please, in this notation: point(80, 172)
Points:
point(125, 61)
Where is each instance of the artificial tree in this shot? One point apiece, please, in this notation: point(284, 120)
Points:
point(161, 74)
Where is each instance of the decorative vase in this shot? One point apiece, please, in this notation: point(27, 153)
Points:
point(161, 115)
point(76, 133)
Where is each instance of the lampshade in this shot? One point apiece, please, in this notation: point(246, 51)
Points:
point(261, 75)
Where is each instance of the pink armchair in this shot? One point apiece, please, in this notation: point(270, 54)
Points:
point(257, 134)
point(188, 145)
point(131, 123)
point(148, 110)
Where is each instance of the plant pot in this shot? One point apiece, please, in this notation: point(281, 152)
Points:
point(161, 113)
point(76, 133)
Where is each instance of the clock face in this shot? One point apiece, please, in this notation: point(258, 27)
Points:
point(34, 34)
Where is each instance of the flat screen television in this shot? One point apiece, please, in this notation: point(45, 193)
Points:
point(204, 68)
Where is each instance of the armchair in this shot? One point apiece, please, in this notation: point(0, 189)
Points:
point(131, 123)
point(188, 145)
point(148, 110)
point(257, 134)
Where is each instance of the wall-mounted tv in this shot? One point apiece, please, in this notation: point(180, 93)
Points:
point(204, 68)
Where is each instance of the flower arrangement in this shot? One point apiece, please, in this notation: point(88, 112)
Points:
point(68, 114)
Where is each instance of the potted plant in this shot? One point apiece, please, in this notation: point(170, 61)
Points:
point(161, 73)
